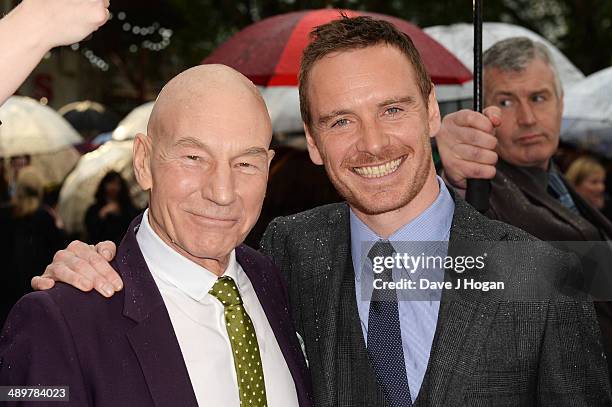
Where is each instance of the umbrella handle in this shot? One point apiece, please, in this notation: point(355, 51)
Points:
point(477, 193)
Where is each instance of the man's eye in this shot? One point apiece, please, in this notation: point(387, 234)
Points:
point(505, 103)
point(245, 165)
point(193, 158)
point(538, 98)
point(393, 110)
point(340, 123)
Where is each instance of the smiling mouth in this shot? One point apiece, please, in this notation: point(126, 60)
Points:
point(381, 170)
point(210, 219)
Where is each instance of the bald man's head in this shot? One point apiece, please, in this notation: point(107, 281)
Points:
point(205, 162)
point(192, 90)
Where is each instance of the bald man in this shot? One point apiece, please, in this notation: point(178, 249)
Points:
point(202, 319)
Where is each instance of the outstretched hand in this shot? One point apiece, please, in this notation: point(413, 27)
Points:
point(83, 266)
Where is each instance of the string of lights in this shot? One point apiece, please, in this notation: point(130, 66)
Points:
point(137, 30)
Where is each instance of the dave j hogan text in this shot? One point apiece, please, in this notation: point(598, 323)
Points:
point(425, 284)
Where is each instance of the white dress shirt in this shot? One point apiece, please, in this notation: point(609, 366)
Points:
point(199, 325)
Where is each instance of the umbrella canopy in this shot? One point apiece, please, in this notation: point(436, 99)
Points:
point(89, 118)
point(29, 127)
point(587, 113)
point(135, 122)
point(77, 193)
point(269, 52)
point(459, 39)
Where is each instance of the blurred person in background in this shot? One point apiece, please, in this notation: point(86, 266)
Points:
point(16, 163)
point(588, 177)
point(112, 212)
point(36, 231)
point(4, 188)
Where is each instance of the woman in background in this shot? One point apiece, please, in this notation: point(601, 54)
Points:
point(110, 215)
point(588, 177)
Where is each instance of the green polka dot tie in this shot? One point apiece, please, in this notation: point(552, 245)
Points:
point(247, 360)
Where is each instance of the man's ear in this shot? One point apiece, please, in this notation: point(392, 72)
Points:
point(433, 113)
point(313, 150)
point(271, 154)
point(142, 161)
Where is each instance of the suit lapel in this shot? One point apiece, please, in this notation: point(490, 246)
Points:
point(161, 360)
point(349, 377)
point(153, 338)
point(277, 314)
point(463, 321)
point(530, 188)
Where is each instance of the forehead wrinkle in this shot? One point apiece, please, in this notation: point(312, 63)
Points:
point(255, 150)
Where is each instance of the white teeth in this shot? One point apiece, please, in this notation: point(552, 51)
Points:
point(378, 170)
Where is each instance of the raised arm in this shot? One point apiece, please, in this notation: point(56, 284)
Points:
point(35, 26)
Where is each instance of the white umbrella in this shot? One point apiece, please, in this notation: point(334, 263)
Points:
point(29, 127)
point(587, 113)
point(77, 193)
point(135, 122)
point(459, 39)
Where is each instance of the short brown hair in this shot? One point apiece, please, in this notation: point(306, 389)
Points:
point(349, 33)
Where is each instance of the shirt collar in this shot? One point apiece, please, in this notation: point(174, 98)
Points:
point(540, 176)
point(432, 225)
point(173, 268)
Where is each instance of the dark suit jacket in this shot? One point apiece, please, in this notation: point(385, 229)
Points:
point(485, 352)
point(519, 197)
point(123, 351)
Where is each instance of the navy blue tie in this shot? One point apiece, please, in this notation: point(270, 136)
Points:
point(385, 336)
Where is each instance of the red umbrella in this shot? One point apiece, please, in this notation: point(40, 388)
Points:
point(269, 51)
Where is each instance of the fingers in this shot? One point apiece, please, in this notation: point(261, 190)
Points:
point(475, 154)
point(85, 260)
point(60, 271)
point(39, 283)
point(459, 174)
point(82, 267)
point(107, 250)
point(466, 126)
point(494, 114)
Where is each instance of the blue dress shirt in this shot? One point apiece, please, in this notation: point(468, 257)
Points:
point(418, 318)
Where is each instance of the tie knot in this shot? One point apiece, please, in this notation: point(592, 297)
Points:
point(381, 248)
point(226, 291)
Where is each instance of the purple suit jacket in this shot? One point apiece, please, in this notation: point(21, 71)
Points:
point(123, 351)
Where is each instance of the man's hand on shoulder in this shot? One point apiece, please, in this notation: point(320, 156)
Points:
point(83, 266)
point(466, 142)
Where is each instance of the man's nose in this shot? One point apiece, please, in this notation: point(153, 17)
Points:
point(372, 139)
point(221, 185)
point(525, 114)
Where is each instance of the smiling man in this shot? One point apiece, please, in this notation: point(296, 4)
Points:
point(369, 111)
point(202, 320)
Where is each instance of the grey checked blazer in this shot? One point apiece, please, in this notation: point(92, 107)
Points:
point(486, 352)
